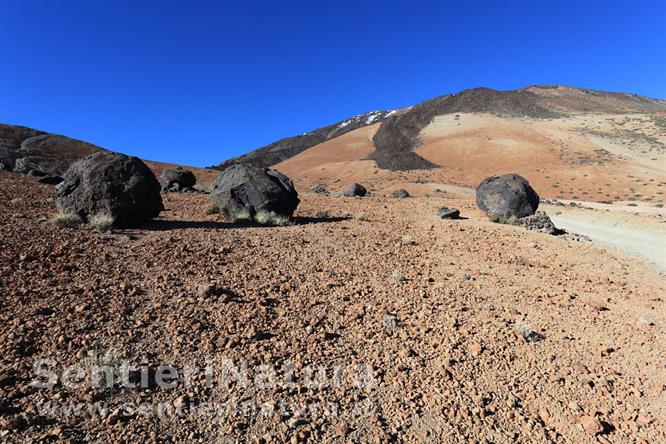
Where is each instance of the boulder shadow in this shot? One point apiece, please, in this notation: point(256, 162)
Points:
point(305, 220)
point(167, 225)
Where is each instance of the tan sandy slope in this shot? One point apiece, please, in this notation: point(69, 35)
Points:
point(595, 157)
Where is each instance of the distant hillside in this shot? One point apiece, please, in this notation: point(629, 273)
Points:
point(398, 135)
point(24, 149)
point(27, 150)
point(283, 149)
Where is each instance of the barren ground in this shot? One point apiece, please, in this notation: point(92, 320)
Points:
point(496, 334)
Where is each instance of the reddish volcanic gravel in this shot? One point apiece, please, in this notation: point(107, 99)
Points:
point(416, 329)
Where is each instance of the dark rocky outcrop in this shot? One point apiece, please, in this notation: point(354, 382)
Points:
point(177, 179)
point(45, 165)
point(355, 190)
point(540, 221)
point(448, 213)
point(9, 156)
point(399, 135)
point(120, 187)
point(251, 190)
point(26, 150)
point(506, 196)
point(400, 194)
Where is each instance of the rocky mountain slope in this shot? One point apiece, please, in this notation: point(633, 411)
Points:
point(288, 147)
point(31, 151)
point(398, 133)
point(25, 149)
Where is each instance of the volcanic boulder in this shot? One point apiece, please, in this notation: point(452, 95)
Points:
point(243, 189)
point(177, 179)
point(111, 185)
point(506, 196)
point(355, 190)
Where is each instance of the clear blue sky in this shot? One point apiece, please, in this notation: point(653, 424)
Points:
point(196, 82)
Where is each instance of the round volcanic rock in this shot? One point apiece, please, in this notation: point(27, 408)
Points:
point(355, 190)
point(177, 178)
point(110, 184)
point(506, 196)
point(246, 188)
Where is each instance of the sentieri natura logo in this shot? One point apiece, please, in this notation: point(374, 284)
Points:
point(220, 373)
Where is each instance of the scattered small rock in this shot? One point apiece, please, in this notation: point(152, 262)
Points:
point(398, 276)
point(448, 213)
point(355, 190)
point(408, 240)
point(390, 321)
point(400, 194)
point(591, 424)
point(540, 221)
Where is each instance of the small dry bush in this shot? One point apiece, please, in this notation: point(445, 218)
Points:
point(101, 222)
point(510, 220)
point(266, 218)
point(211, 209)
point(66, 220)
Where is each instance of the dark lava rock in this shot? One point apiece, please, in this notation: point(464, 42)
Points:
point(320, 189)
point(540, 221)
point(110, 184)
point(9, 156)
point(506, 196)
point(448, 213)
point(50, 180)
point(245, 188)
point(46, 165)
point(355, 190)
point(398, 134)
point(177, 179)
point(400, 194)
point(36, 173)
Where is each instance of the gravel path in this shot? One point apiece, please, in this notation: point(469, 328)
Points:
point(648, 242)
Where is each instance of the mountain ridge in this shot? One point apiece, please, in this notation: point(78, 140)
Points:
point(397, 135)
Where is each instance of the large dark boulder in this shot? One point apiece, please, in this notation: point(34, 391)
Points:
point(9, 156)
point(242, 189)
point(113, 185)
point(177, 179)
point(355, 190)
point(506, 196)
